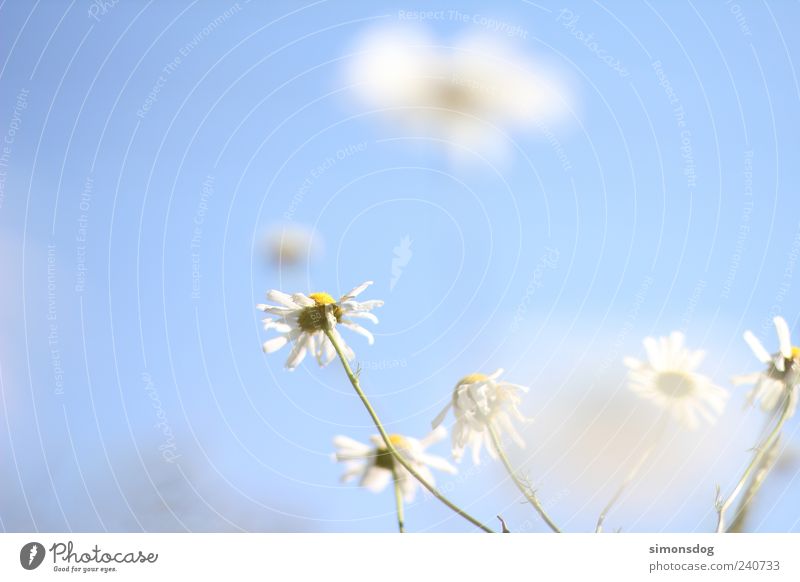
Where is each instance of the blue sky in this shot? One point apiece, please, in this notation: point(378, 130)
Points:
point(133, 400)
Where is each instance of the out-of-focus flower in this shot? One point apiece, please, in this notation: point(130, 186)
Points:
point(375, 466)
point(462, 93)
point(303, 319)
point(290, 245)
point(781, 378)
point(668, 379)
point(480, 401)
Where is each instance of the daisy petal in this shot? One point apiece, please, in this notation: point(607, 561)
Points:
point(275, 344)
point(298, 352)
point(282, 298)
point(359, 330)
point(440, 417)
point(784, 339)
point(363, 315)
point(302, 300)
point(355, 292)
point(757, 347)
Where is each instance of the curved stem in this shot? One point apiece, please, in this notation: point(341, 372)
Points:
point(524, 488)
point(398, 500)
point(763, 449)
point(390, 447)
point(631, 476)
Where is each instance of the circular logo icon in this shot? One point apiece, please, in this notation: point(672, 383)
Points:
point(31, 555)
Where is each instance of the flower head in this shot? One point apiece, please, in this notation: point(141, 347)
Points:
point(304, 319)
point(668, 379)
point(375, 467)
point(480, 402)
point(290, 245)
point(457, 93)
point(782, 376)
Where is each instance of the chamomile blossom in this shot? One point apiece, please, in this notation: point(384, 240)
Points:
point(290, 245)
point(669, 380)
point(460, 93)
point(480, 402)
point(782, 376)
point(374, 466)
point(303, 319)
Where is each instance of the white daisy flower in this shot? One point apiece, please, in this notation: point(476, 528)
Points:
point(480, 401)
point(668, 379)
point(782, 376)
point(303, 319)
point(374, 466)
point(456, 93)
point(290, 245)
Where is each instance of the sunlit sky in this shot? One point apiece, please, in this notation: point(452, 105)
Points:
point(150, 146)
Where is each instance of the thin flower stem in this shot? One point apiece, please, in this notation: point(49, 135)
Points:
point(631, 476)
point(398, 499)
point(390, 447)
point(759, 476)
point(761, 451)
point(524, 488)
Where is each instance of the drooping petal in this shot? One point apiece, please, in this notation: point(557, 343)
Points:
point(440, 417)
point(438, 463)
point(362, 314)
point(376, 479)
point(298, 352)
point(346, 350)
point(477, 442)
point(352, 471)
point(326, 351)
point(437, 434)
point(746, 379)
point(359, 330)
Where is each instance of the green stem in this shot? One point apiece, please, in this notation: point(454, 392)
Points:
point(762, 450)
point(527, 491)
point(398, 499)
point(631, 476)
point(390, 447)
point(759, 476)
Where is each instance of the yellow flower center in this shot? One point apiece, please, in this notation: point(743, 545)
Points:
point(473, 378)
point(312, 319)
point(398, 441)
point(795, 353)
point(674, 384)
point(322, 298)
point(383, 458)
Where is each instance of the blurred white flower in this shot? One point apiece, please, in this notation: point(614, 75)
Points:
point(781, 378)
point(480, 401)
point(457, 93)
point(375, 466)
point(668, 379)
point(303, 319)
point(290, 245)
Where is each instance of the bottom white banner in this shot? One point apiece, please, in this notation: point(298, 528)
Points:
point(386, 557)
